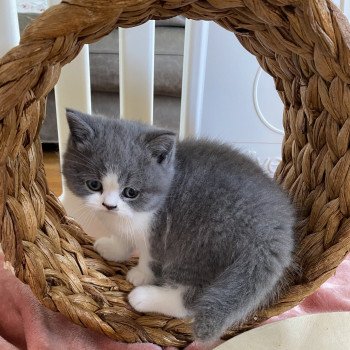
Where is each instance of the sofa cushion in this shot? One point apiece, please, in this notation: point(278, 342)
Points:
point(104, 57)
point(168, 59)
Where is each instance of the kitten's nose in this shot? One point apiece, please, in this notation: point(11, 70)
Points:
point(109, 207)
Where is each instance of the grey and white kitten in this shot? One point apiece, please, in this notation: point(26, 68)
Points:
point(214, 233)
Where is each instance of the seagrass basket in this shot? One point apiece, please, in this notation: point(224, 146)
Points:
point(303, 44)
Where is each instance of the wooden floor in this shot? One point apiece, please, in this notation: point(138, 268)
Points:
point(53, 174)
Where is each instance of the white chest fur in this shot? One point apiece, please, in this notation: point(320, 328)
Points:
point(117, 237)
point(137, 228)
point(124, 237)
point(127, 234)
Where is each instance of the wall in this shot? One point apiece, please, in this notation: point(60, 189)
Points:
point(240, 104)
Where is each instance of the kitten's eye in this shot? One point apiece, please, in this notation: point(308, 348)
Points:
point(94, 185)
point(130, 192)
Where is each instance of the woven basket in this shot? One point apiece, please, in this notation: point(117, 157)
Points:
point(303, 44)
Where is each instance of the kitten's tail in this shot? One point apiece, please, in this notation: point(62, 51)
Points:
point(238, 292)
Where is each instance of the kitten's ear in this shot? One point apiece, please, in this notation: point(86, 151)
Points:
point(81, 131)
point(161, 143)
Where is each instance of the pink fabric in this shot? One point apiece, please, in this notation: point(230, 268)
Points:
point(333, 295)
point(25, 324)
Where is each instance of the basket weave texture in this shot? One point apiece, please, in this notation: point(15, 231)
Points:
point(303, 44)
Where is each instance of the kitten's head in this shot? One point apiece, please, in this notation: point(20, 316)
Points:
point(118, 166)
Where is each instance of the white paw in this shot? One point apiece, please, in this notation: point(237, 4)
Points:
point(162, 300)
point(141, 299)
point(112, 249)
point(139, 276)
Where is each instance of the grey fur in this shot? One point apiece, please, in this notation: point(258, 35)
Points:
point(229, 237)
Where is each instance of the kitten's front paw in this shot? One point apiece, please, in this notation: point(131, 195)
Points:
point(139, 276)
point(112, 249)
point(141, 299)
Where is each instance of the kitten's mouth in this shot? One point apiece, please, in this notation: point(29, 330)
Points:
point(113, 211)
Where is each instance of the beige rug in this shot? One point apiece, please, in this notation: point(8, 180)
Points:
point(327, 331)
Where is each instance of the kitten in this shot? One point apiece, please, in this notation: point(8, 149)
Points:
point(214, 233)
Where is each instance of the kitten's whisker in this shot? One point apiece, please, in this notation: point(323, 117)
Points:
point(83, 218)
point(133, 237)
point(80, 161)
point(85, 161)
point(131, 232)
point(75, 162)
point(83, 156)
